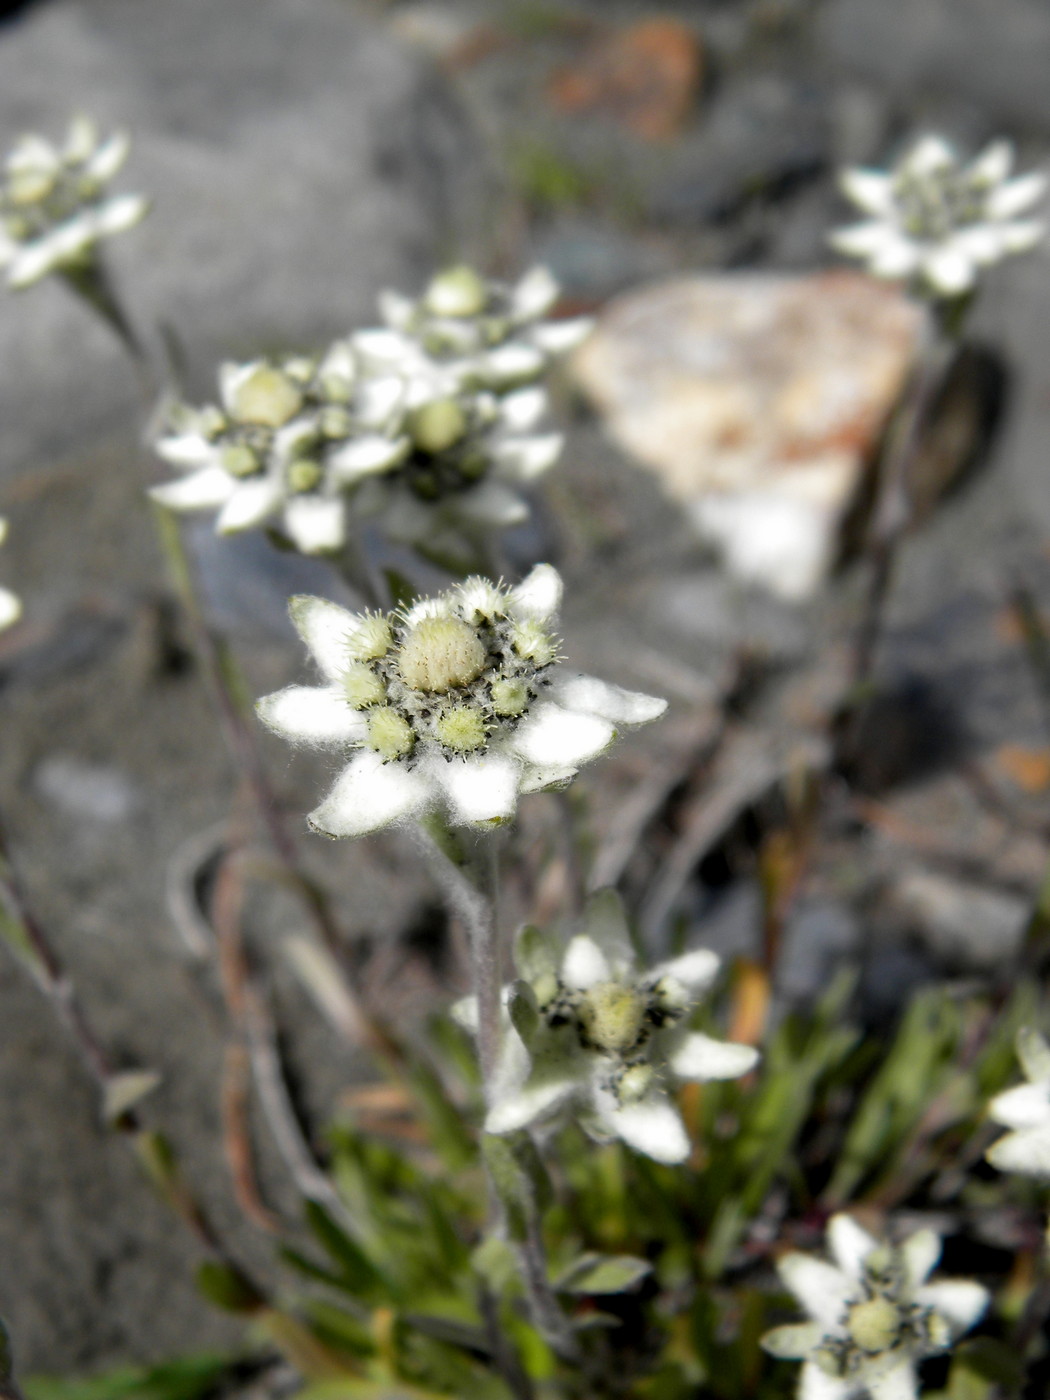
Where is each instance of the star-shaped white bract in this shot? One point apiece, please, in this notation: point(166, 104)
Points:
point(10, 604)
point(591, 1033)
point(288, 441)
point(874, 1315)
point(54, 209)
point(936, 220)
point(457, 703)
point(469, 331)
point(1025, 1110)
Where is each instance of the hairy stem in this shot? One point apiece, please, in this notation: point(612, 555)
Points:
point(895, 507)
point(477, 911)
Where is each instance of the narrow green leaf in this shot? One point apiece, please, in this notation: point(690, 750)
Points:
point(602, 1273)
point(359, 1275)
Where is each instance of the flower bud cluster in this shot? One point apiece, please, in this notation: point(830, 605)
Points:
point(456, 702)
point(448, 676)
point(592, 1033)
point(875, 1314)
point(54, 209)
point(476, 331)
point(938, 221)
point(881, 1319)
point(307, 442)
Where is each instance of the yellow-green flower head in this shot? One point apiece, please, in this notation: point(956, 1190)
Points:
point(592, 1034)
point(477, 330)
point(874, 1315)
point(288, 441)
point(54, 209)
point(436, 705)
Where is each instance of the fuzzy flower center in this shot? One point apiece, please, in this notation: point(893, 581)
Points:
point(281, 417)
point(450, 445)
point(35, 199)
point(616, 1020)
point(884, 1319)
point(936, 203)
point(449, 681)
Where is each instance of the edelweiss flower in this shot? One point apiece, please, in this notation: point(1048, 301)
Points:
point(469, 331)
point(939, 221)
point(591, 1032)
point(455, 702)
point(470, 452)
point(53, 209)
point(874, 1315)
point(291, 438)
point(1025, 1109)
point(10, 604)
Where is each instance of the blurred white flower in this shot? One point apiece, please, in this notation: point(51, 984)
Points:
point(469, 331)
point(937, 220)
point(54, 209)
point(470, 454)
point(874, 1316)
point(290, 439)
point(589, 1032)
point(456, 702)
point(1026, 1110)
point(304, 444)
point(10, 604)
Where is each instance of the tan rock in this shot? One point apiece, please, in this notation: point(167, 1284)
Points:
point(758, 401)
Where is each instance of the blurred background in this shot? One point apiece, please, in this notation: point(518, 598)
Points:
point(303, 154)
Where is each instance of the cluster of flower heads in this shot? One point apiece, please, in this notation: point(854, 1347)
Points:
point(874, 1315)
point(937, 220)
point(54, 205)
point(432, 428)
point(454, 702)
point(10, 604)
point(588, 1032)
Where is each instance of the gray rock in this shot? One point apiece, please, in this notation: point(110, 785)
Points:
point(993, 55)
point(966, 927)
point(86, 791)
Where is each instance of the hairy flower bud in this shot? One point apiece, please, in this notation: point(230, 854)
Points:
point(439, 653)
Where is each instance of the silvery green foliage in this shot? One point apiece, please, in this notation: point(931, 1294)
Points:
point(1026, 1111)
point(874, 1316)
point(10, 604)
point(937, 220)
point(470, 331)
point(591, 1033)
point(54, 208)
point(457, 703)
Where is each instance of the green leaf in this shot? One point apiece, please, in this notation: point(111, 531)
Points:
point(519, 1178)
point(496, 1262)
point(990, 1360)
point(537, 953)
point(357, 1273)
point(602, 1273)
point(189, 1378)
point(228, 1289)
